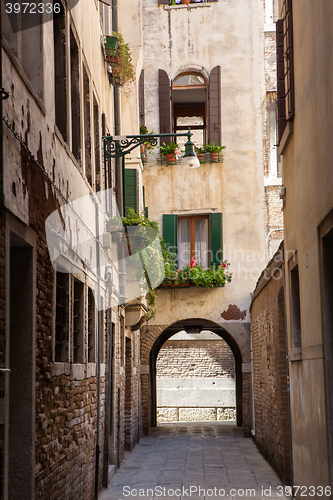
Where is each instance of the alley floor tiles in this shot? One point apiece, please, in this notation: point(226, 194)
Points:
point(194, 461)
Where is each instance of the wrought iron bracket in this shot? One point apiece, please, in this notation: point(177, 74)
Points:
point(121, 145)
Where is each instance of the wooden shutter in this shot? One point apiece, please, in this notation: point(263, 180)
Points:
point(131, 189)
point(142, 98)
point(281, 103)
point(164, 105)
point(216, 238)
point(170, 231)
point(214, 106)
point(288, 58)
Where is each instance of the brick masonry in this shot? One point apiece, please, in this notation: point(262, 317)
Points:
point(195, 358)
point(199, 360)
point(270, 370)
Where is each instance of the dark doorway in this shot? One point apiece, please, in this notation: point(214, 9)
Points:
point(327, 269)
point(21, 454)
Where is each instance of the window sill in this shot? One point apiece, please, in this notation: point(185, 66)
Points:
point(187, 6)
point(295, 354)
point(188, 285)
point(161, 159)
point(286, 137)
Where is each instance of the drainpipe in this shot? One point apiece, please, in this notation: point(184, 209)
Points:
point(99, 329)
point(117, 122)
point(287, 359)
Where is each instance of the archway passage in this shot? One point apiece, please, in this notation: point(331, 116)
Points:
point(195, 379)
point(195, 324)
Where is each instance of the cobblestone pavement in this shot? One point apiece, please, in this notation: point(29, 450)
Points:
point(194, 461)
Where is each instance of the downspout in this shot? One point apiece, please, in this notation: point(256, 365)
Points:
point(117, 121)
point(99, 329)
point(287, 359)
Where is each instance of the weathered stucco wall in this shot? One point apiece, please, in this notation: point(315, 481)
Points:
point(307, 177)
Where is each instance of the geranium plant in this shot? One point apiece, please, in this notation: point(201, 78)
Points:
point(147, 145)
point(123, 72)
point(196, 275)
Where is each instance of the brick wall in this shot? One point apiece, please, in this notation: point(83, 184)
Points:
point(270, 369)
point(195, 381)
point(66, 408)
point(131, 394)
point(195, 358)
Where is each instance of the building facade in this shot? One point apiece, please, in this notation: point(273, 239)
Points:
point(305, 125)
point(270, 393)
point(70, 357)
point(198, 81)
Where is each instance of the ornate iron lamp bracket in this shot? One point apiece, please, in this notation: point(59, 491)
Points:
point(118, 146)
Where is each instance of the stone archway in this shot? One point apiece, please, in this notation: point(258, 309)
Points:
point(153, 338)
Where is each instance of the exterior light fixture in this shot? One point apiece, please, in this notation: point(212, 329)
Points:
point(190, 159)
point(190, 330)
point(119, 146)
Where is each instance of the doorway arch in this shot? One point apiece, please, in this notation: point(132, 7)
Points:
point(203, 325)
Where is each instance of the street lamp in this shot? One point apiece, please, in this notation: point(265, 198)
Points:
point(119, 146)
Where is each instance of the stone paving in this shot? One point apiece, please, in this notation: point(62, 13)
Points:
point(194, 461)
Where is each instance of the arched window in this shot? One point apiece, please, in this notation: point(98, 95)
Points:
point(189, 98)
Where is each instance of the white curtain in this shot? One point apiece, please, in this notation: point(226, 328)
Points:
point(184, 242)
point(201, 242)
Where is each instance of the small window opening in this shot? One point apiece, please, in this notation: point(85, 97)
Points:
point(62, 317)
point(91, 327)
point(75, 99)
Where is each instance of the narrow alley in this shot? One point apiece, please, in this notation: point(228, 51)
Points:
point(194, 460)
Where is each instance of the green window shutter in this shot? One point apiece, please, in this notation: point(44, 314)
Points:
point(131, 189)
point(170, 231)
point(215, 238)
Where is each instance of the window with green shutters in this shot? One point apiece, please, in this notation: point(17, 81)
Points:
point(131, 189)
point(179, 233)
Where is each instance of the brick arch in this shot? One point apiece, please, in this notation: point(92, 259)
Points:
point(152, 340)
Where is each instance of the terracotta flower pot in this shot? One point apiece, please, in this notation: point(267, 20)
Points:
point(214, 157)
point(186, 1)
point(171, 160)
point(201, 157)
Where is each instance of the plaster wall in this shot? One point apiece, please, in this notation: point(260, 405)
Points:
point(307, 176)
point(231, 34)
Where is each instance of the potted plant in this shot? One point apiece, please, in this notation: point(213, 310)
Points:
point(186, 1)
point(146, 147)
point(201, 153)
point(113, 224)
point(170, 151)
point(214, 151)
point(121, 61)
point(111, 49)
